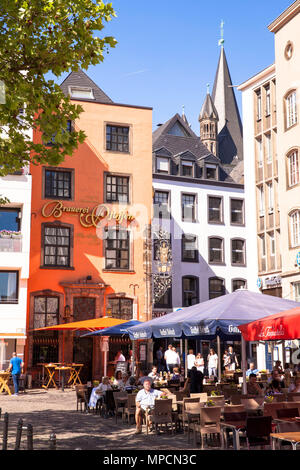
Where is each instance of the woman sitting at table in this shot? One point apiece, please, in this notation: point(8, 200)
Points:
point(120, 380)
point(99, 391)
point(295, 386)
point(274, 387)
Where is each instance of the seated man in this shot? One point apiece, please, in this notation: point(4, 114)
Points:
point(145, 399)
point(154, 375)
point(251, 369)
point(252, 386)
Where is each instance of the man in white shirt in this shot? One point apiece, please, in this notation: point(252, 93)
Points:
point(190, 361)
point(171, 358)
point(154, 375)
point(145, 399)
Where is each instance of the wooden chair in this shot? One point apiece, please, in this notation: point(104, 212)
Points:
point(81, 396)
point(130, 407)
point(202, 396)
point(119, 407)
point(162, 414)
point(210, 418)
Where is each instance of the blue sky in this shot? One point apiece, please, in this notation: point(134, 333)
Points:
point(168, 50)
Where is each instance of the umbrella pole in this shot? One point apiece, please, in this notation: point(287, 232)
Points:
point(63, 347)
point(244, 365)
point(219, 357)
point(185, 356)
point(105, 363)
point(133, 357)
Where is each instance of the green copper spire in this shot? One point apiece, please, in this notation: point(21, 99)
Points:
point(221, 41)
point(207, 88)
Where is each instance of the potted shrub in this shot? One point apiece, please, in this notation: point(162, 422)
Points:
point(210, 403)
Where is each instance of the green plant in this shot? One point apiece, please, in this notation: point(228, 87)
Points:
point(215, 393)
point(210, 403)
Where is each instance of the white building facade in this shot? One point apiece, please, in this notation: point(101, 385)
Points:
point(15, 217)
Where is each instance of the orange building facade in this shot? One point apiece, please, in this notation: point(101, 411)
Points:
point(90, 238)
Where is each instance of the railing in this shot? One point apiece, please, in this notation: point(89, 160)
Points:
point(11, 244)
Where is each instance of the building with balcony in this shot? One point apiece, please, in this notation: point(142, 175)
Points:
point(15, 218)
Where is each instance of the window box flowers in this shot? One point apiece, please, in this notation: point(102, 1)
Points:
point(10, 234)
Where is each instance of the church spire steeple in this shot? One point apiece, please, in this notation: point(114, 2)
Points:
point(230, 134)
point(208, 119)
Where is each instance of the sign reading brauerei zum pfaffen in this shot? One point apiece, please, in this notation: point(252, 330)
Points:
point(87, 217)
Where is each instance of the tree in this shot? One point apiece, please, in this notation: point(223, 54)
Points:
point(38, 37)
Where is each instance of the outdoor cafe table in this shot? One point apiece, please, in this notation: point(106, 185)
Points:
point(50, 370)
point(4, 378)
point(235, 427)
point(74, 376)
point(292, 437)
point(62, 369)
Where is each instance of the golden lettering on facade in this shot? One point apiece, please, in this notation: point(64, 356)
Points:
point(87, 218)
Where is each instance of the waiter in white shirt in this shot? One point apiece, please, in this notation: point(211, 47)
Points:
point(171, 358)
point(190, 361)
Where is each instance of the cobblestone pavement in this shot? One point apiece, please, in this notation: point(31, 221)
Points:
point(54, 411)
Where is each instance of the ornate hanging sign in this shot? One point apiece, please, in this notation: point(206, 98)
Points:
point(162, 280)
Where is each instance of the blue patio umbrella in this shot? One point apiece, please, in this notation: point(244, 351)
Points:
point(216, 317)
point(117, 330)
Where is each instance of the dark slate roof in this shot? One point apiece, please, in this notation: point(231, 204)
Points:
point(230, 131)
point(189, 147)
point(81, 79)
point(208, 109)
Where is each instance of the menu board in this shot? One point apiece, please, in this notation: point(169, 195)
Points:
point(122, 366)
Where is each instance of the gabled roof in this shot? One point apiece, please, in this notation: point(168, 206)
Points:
point(80, 79)
point(208, 109)
point(167, 127)
point(229, 117)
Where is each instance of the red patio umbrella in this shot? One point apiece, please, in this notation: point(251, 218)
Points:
point(280, 326)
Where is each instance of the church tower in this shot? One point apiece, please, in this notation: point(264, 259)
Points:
point(208, 119)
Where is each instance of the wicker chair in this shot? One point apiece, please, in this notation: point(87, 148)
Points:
point(81, 395)
point(234, 408)
point(162, 414)
point(258, 430)
point(130, 407)
point(270, 409)
point(210, 418)
point(293, 396)
point(202, 396)
point(182, 416)
point(192, 419)
point(119, 407)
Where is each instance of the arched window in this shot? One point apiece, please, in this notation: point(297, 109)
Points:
point(215, 250)
point(190, 291)
point(291, 109)
point(216, 287)
point(238, 252)
point(293, 168)
point(295, 228)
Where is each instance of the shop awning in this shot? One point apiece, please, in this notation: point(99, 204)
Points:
point(88, 325)
point(281, 326)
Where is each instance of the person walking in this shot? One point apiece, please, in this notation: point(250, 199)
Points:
point(190, 361)
point(16, 367)
point(233, 362)
point(171, 358)
point(212, 363)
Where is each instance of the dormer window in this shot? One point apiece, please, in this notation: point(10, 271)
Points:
point(187, 168)
point(211, 171)
point(81, 93)
point(162, 165)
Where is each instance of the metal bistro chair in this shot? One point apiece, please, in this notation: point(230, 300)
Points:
point(192, 419)
point(270, 409)
point(201, 396)
point(182, 416)
point(239, 416)
point(293, 404)
point(234, 409)
point(293, 396)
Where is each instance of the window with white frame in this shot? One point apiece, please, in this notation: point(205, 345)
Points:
point(260, 153)
point(268, 101)
point(272, 243)
point(261, 200)
point(296, 291)
point(162, 165)
point(295, 228)
point(258, 106)
point(293, 168)
point(270, 197)
point(81, 92)
point(291, 109)
point(269, 148)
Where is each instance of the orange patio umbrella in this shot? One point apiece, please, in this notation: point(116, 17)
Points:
point(85, 325)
